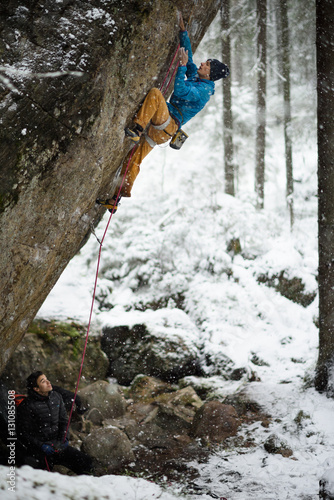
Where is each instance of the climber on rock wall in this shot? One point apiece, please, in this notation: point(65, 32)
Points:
point(163, 120)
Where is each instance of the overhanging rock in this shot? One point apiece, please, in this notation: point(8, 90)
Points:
point(72, 73)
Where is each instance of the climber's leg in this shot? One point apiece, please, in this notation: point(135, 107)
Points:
point(142, 150)
point(154, 108)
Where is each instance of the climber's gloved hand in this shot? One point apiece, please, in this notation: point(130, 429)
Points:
point(48, 449)
point(61, 446)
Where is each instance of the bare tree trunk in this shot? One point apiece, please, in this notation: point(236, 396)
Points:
point(227, 100)
point(279, 59)
point(287, 106)
point(261, 6)
point(324, 380)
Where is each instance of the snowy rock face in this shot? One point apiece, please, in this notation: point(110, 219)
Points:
point(72, 74)
point(166, 350)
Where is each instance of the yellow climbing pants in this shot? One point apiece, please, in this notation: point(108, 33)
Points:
point(154, 109)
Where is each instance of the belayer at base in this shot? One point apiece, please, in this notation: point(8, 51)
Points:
point(189, 97)
point(41, 425)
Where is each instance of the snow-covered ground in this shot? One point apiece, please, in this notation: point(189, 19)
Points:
point(42, 485)
point(171, 239)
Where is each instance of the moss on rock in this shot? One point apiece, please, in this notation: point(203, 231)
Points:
point(56, 348)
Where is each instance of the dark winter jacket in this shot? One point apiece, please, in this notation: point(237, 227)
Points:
point(41, 419)
point(68, 397)
point(190, 95)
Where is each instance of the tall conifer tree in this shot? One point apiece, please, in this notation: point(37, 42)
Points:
point(261, 6)
point(227, 100)
point(324, 380)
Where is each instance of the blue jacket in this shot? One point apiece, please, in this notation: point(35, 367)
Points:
point(190, 95)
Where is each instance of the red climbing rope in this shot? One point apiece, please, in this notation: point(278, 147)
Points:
point(94, 290)
point(47, 464)
point(171, 78)
point(100, 250)
point(171, 64)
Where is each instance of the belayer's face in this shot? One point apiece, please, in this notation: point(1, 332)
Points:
point(204, 70)
point(44, 386)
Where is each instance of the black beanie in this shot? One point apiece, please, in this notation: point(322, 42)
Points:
point(218, 70)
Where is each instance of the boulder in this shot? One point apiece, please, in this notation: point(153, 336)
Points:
point(215, 422)
point(126, 424)
point(140, 412)
point(109, 447)
point(104, 397)
point(292, 288)
point(144, 388)
point(152, 436)
point(73, 75)
point(185, 397)
point(171, 412)
point(175, 412)
point(174, 420)
point(166, 453)
point(277, 446)
point(160, 343)
point(216, 363)
point(247, 408)
point(94, 416)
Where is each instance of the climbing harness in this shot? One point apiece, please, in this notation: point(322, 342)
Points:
point(150, 141)
point(163, 125)
point(179, 138)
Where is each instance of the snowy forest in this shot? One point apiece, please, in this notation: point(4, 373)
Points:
point(225, 248)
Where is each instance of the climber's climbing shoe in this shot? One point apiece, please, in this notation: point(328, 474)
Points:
point(111, 204)
point(134, 132)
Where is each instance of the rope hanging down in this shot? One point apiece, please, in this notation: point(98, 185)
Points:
point(94, 292)
point(171, 78)
point(100, 251)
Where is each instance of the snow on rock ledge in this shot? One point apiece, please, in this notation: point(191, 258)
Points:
point(162, 343)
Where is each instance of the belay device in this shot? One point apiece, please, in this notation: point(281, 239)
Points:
point(178, 139)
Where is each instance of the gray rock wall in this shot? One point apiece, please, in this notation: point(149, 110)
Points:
point(61, 137)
